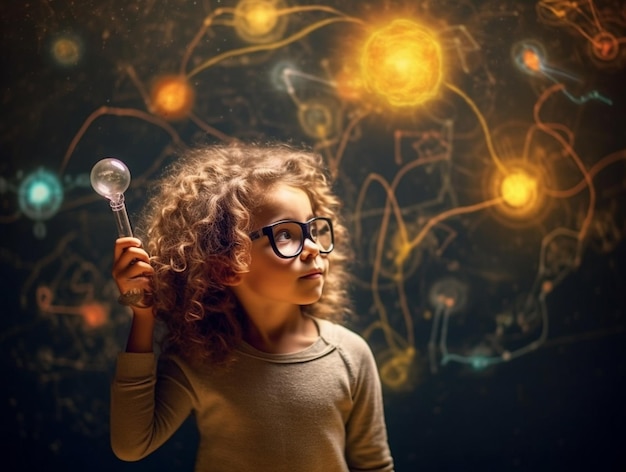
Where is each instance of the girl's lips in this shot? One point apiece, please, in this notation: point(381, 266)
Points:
point(312, 275)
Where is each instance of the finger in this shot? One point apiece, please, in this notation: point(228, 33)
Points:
point(133, 275)
point(130, 257)
point(123, 244)
point(128, 267)
point(140, 269)
point(140, 282)
point(132, 262)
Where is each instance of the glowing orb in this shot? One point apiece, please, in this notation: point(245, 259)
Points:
point(40, 195)
point(605, 46)
point(529, 57)
point(531, 60)
point(172, 97)
point(319, 118)
point(402, 62)
point(259, 21)
point(279, 73)
point(398, 258)
point(448, 294)
point(94, 314)
point(66, 50)
point(547, 286)
point(519, 189)
point(398, 369)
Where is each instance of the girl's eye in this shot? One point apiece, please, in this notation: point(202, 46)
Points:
point(283, 235)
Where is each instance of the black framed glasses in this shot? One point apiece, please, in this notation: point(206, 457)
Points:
point(287, 236)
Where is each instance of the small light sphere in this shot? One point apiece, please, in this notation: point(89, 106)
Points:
point(66, 50)
point(40, 195)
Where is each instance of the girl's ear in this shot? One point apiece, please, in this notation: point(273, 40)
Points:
point(232, 280)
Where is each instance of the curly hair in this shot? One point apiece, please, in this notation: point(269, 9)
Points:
point(196, 227)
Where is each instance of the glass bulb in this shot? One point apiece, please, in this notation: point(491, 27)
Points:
point(110, 178)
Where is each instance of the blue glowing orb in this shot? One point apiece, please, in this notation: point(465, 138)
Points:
point(40, 195)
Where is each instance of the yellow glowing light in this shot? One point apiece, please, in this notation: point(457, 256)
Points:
point(396, 372)
point(261, 18)
point(172, 97)
point(519, 189)
point(259, 21)
point(403, 63)
point(319, 118)
point(66, 51)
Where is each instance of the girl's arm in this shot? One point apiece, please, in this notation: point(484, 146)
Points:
point(367, 446)
point(145, 411)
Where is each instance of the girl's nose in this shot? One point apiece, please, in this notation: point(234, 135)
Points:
point(310, 248)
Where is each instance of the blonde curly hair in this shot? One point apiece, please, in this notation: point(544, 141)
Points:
point(197, 224)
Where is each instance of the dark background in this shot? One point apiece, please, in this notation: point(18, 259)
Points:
point(559, 406)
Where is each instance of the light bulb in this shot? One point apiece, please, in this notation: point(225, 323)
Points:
point(110, 178)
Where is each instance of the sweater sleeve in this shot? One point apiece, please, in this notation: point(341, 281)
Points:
point(145, 410)
point(367, 447)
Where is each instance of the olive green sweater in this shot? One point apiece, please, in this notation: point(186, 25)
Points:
point(319, 409)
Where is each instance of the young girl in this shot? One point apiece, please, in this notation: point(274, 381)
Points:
point(247, 271)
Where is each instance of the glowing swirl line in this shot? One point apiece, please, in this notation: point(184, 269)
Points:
point(440, 217)
point(266, 47)
point(483, 124)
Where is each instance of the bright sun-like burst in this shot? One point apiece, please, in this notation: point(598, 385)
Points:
point(403, 63)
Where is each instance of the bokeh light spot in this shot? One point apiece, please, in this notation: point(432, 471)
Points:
point(40, 195)
point(349, 85)
point(398, 369)
point(94, 314)
point(531, 60)
point(67, 50)
point(529, 57)
point(605, 46)
point(172, 97)
point(319, 118)
point(519, 189)
point(403, 63)
point(259, 21)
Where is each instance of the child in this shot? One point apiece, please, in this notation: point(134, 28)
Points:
point(247, 273)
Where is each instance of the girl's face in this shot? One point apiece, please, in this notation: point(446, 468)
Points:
point(272, 280)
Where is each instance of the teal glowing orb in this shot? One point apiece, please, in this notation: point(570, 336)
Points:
point(40, 195)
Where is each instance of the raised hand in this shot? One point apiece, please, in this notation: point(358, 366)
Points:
point(133, 273)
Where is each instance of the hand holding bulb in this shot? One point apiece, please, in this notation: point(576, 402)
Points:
point(110, 178)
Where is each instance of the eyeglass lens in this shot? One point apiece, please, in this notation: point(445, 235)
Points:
point(289, 237)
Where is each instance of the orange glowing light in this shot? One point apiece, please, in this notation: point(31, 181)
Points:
point(519, 189)
point(172, 97)
point(448, 302)
point(547, 286)
point(605, 46)
point(531, 60)
point(94, 314)
point(403, 63)
point(349, 86)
